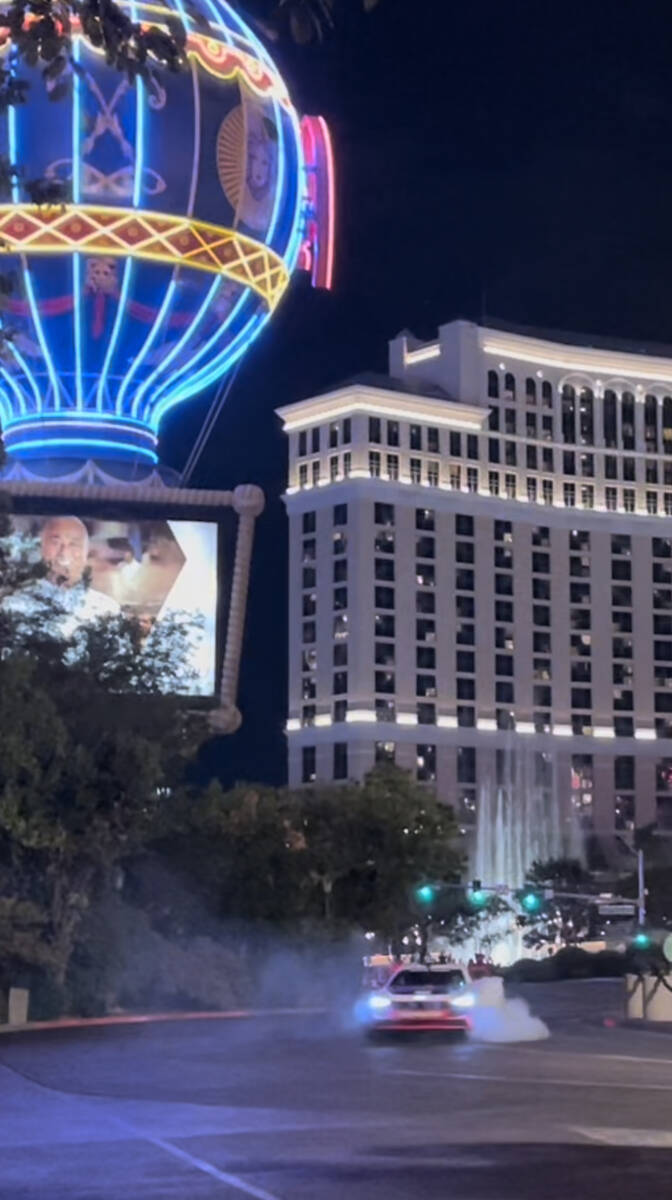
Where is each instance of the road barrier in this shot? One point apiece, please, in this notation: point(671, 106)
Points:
point(648, 997)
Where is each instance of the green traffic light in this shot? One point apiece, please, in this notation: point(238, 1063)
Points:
point(425, 894)
point(641, 940)
point(531, 902)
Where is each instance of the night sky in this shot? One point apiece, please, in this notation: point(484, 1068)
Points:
point(503, 161)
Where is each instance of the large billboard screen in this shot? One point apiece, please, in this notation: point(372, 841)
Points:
point(154, 570)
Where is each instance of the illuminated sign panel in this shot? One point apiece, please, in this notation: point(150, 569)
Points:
point(155, 570)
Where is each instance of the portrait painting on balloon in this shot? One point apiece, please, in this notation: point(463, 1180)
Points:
point(94, 569)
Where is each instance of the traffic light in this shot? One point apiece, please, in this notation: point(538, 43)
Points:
point(642, 940)
point(476, 896)
point(531, 902)
point(425, 893)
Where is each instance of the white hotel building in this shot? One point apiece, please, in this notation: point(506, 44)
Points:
point(481, 560)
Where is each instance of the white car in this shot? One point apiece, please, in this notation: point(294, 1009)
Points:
point(417, 997)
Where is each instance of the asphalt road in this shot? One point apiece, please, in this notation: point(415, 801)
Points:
point(289, 1109)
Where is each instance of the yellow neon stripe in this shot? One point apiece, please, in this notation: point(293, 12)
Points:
point(150, 236)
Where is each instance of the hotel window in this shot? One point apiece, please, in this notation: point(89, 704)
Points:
point(308, 631)
point(472, 445)
point(609, 419)
point(569, 495)
point(493, 385)
point(629, 470)
point(464, 662)
point(385, 752)
point(384, 543)
point(303, 443)
point(426, 714)
point(667, 503)
point(510, 455)
point(374, 463)
point(425, 657)
point(384, 570)
point(346, 436)
point(510, 385)
point(541, 536)
point(611, 498)
point(333, 435)
point(587, 495)
point(433, 474)
point(426, 763)
point(651, 471)
point(586, 417)
point(384, 514)
point(510, 484)
point(455, 478)
point(384, 625)
point(531, 425)
point(340, 516)
point(308, 524)
point(628, 499)
point(610, 466)
point(374, 430)
point(464, 525)
point(455, 444)
point(340, 628)
point(393, 433)
point(530, 391)
point(384, 654)
point(510, 420)
point(433, 442)
point(340, 654)
point(531, 458)
point(425, 602)
point(493, 482)
point(385, 710)
point(493, 450)
point(425, 574)
point(340, 684)
point(547, 491)
point(425, 630)
point(547, 394)
point(309, 550)
point(652, 502)
point(384, 682)
point(340, 598)
point(587, 465)
point(393, 466)
point(547, 428)
point(384, 597)
point(503, 558)
point(568, 462)
point(333, 468)
point(340, 760)
point(466, 716)
point(425, 547)
point(547, 460)
point(472, 479)
point(651, 424)
point(340, 542)
point(309, 577)
point(466, 688)
point(347, 463)
point(532, 490)
point(425, 519)
point(309, 604)
point(308, 687)
point(308, 764)
point(315, 441)
point(628, 420)
point(568, 414)
point(416, 437)
point(303, 475)
point(425, 685)
point(416, 470)
point(340, 570)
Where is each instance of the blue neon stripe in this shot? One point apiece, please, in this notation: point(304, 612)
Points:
point(128, 267)
point(142, 354)
point(76, 258)
point(52, 443)
point(188, 367)
point(37, 323)
point(215, 370)
point(190, 330)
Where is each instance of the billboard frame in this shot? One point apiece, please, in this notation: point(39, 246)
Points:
point(158, 500)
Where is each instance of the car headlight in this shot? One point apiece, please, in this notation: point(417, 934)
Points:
point(465, 1000)
point(379, 1002)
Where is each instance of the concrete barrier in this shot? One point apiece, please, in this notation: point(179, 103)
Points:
point(19, 999)
point(648, 998)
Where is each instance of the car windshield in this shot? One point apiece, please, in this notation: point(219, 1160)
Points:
point(437, 981)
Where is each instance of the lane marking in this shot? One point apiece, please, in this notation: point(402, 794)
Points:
point(660, 1060)
point(654, 1138)
point(538, 1081)
point(201, 1164)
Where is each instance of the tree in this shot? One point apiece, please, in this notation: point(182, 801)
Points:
point(562, 917)
point(90, 747)
point(339, 857)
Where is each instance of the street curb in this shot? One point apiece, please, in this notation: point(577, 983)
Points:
point(647, 1026)
point(156, 1018)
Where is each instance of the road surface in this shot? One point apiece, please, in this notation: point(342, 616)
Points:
point(289, 1109)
